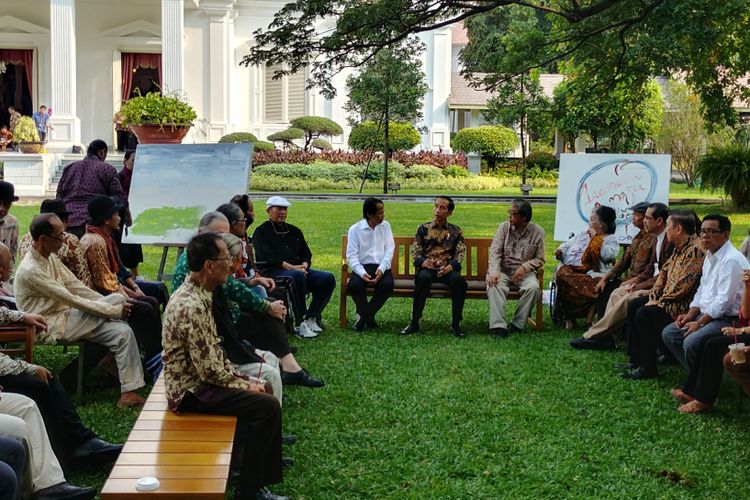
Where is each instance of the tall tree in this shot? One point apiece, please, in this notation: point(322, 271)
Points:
point(627, 114)
point(390, 87)
point(610, 39)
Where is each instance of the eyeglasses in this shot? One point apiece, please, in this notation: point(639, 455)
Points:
point(513, 212)
point(710, 231)
point(238, 221)
point(228, 258)
point(58, 238)
point(648, 217)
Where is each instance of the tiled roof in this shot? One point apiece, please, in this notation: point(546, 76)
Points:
point(464, 96)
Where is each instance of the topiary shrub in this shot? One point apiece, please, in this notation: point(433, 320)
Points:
point(322, 145)
point(727, 168)
point(316, 126)
point(396, 171)
point(542, 160)
point(491, 141)
point(424, 172)
point(455, 171)
point(263, 146)
point(368, 135)
point(238, 137)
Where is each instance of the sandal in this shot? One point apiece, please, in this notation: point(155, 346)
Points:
point(680, 395)
point(694, 406)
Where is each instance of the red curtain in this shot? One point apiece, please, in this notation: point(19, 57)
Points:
point(20, 56)
point(132, 61)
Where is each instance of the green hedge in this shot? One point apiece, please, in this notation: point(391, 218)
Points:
point(424, 172)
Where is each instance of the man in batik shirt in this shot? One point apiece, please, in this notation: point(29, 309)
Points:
point(438, 252)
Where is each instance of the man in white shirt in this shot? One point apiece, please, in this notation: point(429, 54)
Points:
point(73, 311)
point(716, 304)
point(369, 252)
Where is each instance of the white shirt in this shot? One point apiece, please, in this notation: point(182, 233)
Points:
point(370, 246)
point(659, 242)
point(720, 291)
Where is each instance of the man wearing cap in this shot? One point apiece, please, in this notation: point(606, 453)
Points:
point(70, 253)
point(73, 311)
point(84, 179)
point(638, 268)
point(281, 250)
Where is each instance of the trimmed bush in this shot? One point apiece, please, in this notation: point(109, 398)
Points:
point(314, 171)
point(434, 158)
point(367, 135)
point(288, 135)
point(542, 160)
point(238, 137)
point(322, 145)
point(396, 171)
point(316, 126)
point(455, 171)
point(423, 172)
point(490, 141)
point(263, 146)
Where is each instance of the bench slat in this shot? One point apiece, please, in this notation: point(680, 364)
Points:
point(180, 436)
point(177, 447)
point(174, 459)
point(184, 425)
point(190, 489)
point(170, 471)
point(168, 415)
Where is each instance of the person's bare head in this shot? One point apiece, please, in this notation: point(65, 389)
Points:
point(213, 222)
point(47, 232)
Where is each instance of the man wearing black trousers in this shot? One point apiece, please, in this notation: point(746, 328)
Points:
point(438, 252)
point(369, 251)
point(670, 296)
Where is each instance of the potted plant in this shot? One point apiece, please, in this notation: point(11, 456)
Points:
point(157, 118)
point(26, 136)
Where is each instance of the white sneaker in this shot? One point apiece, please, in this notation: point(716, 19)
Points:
point(303, 331)
point(312, 325)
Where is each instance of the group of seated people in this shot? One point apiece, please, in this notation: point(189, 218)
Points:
point(680, 292)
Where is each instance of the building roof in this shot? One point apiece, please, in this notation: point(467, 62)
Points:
point(466, 97)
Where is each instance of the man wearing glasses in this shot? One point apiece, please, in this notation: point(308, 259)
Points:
point(517, 252)
point(717, 302)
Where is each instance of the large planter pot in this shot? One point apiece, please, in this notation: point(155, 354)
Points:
point(31, 147)
point(156, 134)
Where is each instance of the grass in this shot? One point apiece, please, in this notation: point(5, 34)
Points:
point(430, 416)
point(676, 191)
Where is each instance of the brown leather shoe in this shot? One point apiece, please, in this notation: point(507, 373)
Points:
point(130, 399)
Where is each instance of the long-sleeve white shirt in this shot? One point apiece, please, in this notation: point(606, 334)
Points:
point(45, 286)
point(368, 245)
point(720, 290)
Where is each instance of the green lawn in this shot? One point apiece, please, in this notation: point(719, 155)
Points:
point(431, 416)
point(676, 190)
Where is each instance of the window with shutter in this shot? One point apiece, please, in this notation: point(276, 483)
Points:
point(273, 111)
point(296, 95)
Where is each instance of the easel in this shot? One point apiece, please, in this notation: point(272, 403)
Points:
point(161, 275)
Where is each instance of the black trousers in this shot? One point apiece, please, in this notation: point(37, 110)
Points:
point(383, 289)
point(631, 326)
point(264, 332)
point(422, 283)
point(649, 322)
point(64, 427)
point(145, 320)
point(257, 438)
point(705, 375)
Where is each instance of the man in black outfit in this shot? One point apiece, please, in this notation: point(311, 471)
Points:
point(438, 252)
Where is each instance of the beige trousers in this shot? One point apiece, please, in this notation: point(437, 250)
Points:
point(498, 295)
point(112, 333)
point(20, 419)
point(268, 370)
point(616, 315)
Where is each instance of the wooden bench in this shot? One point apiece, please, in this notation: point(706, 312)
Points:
point(189, 453)
point(18, 333)
point(474, 269)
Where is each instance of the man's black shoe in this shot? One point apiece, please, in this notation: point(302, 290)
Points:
point(499, 333)
point(514, 329)
point(300, 378)
point(67, 491)
point(605, 344)
point(409, 329)
point(360, 324)
point(639, 373)
point(663, 359)
point(98, 448)
point(293, 349)
point(457, 331)
point(288, 439)
point(287, 462)
point(624, 366)
point(371, 323)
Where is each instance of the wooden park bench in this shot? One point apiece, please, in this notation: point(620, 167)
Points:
point(474, 269)
point(189, 453)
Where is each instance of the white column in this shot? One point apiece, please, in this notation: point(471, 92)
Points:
point(172, 45)
point(67, 126)
point(218, 53)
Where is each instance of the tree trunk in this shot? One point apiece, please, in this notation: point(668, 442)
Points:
point(386, 152)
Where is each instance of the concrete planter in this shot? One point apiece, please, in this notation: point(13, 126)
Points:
point(29, 173)
point(156, 134)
